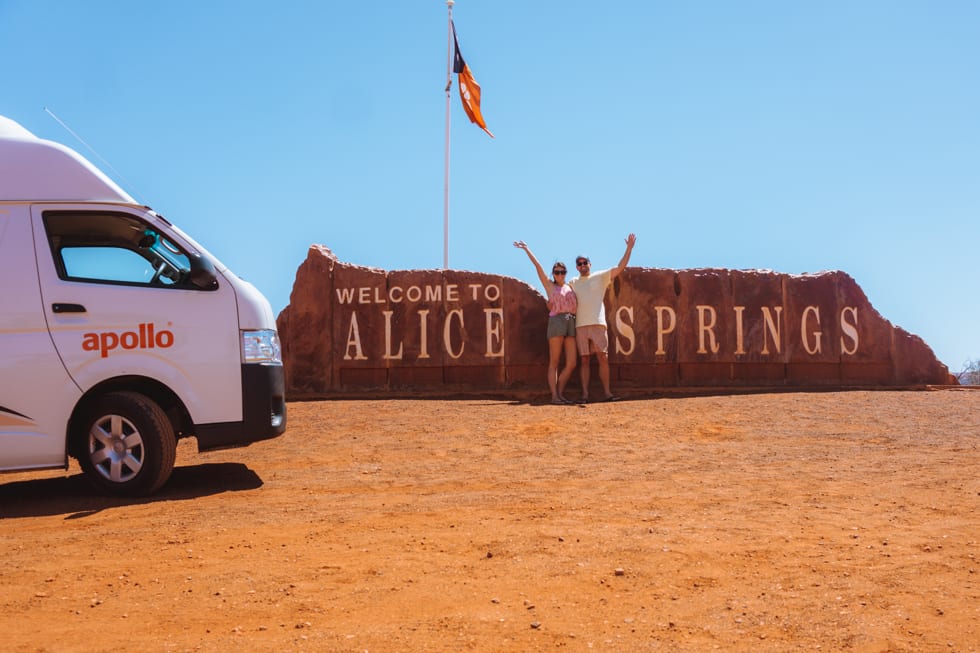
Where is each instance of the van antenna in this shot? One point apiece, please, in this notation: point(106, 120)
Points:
point(97, 155)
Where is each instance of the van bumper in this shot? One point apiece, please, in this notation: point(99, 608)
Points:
point(263, 411)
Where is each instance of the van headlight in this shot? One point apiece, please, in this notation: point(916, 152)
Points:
point(261, 346)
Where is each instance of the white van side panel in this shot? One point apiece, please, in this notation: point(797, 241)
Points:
point(36, 393)
point(180, 337)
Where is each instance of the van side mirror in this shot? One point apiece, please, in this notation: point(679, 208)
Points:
point(202, 273)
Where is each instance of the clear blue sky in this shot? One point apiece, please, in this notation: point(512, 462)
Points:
point(793, 136)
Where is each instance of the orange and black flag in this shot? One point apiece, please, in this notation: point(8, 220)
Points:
point(469, 90)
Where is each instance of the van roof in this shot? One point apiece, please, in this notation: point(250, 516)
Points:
point(36, 170)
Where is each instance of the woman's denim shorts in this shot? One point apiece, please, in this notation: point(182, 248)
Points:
point(561, 325)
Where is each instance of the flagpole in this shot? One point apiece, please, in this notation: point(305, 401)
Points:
point(449, 84)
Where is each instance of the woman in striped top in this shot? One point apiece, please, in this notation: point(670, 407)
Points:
point(561, 324)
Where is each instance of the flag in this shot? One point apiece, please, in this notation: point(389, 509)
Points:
point(469, 90)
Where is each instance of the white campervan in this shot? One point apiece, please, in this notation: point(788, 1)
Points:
point(119, 334)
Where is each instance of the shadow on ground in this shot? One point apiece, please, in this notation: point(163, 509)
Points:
point(75, 498)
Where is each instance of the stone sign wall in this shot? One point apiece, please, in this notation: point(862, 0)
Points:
point(351, 329)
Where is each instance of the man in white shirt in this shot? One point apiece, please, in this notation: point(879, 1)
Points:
point(590, 317)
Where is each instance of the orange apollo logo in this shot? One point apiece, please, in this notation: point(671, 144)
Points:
point(144, 337)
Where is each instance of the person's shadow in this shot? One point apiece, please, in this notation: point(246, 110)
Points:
point(75, 497)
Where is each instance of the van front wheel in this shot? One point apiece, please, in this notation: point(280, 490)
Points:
point(130, 446)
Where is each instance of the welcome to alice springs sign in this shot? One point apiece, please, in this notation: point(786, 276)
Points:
point(351, 329)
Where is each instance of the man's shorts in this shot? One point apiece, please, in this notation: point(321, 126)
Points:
point(561, 325)
point(594, 334)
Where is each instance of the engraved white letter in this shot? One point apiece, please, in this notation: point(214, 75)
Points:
point(446, 331)
point(803, 330)
point(708, 328)
point(849, 329)
point(493, 331)
point(354, 338)
point(345, 295)
point(661, 331)
point(433, 293)
point(771, 327)
point(423, 334)
point(739, 331)
point(388, 353)
point(625, 329)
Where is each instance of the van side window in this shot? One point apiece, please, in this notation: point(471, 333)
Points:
point(114, 248)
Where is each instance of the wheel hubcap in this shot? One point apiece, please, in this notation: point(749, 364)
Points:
point(115, 448)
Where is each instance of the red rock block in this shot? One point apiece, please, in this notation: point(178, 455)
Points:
point(915, 362)
point(304, 326)
point(413, 319)
point(526, 326)
point(758, 312)
point(642, 316)
point(865, 336)
point(414, 378)
point(527, 376)
point(762, 374)
point(870, 373)
point(355, 329)
point(813, 374)
point(810, 331)
point(704, 320)
point(474, 328)
point(361, 379)
point(646, 375)
point(358, 324)
point(705, 374)
point(473, 377)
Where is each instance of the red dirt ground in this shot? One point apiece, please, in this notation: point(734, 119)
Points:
point(773, 522)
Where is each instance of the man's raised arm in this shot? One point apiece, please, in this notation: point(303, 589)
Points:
point(623, 262)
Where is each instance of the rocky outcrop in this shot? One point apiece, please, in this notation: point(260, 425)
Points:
point(350, 329)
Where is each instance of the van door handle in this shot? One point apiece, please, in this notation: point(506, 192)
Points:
point(67, 308)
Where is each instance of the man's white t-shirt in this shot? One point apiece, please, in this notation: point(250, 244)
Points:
point(590, 292)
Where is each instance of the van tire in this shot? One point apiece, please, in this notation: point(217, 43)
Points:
point(127, 445)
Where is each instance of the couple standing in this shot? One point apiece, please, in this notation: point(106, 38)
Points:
point(577, 319)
